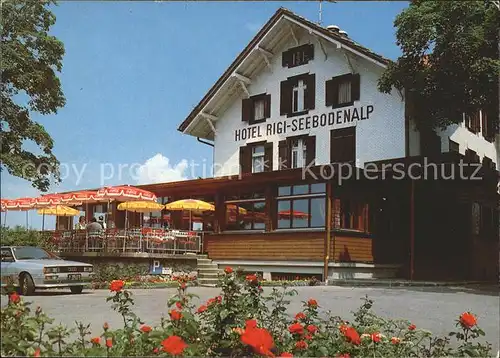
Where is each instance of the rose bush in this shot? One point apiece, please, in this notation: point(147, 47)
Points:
point(241, 321)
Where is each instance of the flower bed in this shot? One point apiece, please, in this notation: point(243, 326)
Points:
point(241, 321)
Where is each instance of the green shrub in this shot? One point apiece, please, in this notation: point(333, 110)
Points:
point(20, 236)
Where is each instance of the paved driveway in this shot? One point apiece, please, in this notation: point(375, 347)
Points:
point(432, 309)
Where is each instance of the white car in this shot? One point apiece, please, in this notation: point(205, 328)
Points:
point(31, 268)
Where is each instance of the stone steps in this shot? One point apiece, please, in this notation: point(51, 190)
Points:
point(208, 272)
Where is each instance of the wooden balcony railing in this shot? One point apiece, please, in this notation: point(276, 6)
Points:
point(146, 240)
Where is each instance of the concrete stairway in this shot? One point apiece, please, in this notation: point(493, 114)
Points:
point(207, 272)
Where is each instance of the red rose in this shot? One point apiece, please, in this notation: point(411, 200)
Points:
point(116, 285)
point(258, 338)
point(96, 340)
point(178, 305)
point(300, 316)
point(109, 343)
point(345, 355)
point(412, 327)
point(219, 299)
point(308, 337)
point(468, 320)
point(146, 329)
point(285, 355)
point(228, 270)
point(250, 324)
point(376, 337)
point(174, 345)
point(14, 298)
point(251, 278)
point(301, 345)
point(296, 328)
point(37, 353)
point(183, 286)
point(395, 340)
point(175, 315)
point(156, 350)
point(202, 308)
point(312, 329)
point(351, 335)
point(312, 302)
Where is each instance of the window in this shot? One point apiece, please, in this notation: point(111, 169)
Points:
point(487, 124)
point(472, 122)
point(342, 91)
point(7, 255)
point(301, 206)
point(256, 109)
point(298, 56)
point(471, 156)
point(256, 157)
point(297, 152)
point(298, 95)
point(343, 145)
point(242, 213)
point(350, 214)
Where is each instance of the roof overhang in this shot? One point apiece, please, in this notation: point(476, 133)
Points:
point(281, 28)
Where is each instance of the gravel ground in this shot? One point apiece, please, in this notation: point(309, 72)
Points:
point(434, 309)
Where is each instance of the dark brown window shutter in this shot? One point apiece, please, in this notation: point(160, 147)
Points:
point(246, 159)
point(309, 52)
point(310, 150)
point(286, 58)
point(343, 145)
point(286, 98)
point(268, 157)
point(246, 110)
point(331, 92)
point(355, 87)
point(267, 106)
point(310, 92)
point(283, 154)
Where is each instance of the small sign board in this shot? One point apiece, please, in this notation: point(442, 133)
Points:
point(158, 267)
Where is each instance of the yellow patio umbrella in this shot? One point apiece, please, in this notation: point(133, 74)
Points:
point(140, 207)
point(190, 205)
point(58, 210)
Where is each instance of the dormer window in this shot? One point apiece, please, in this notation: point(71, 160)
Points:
point(256, 109)
point(298, 95)
point(342, 91)
point(298, 56)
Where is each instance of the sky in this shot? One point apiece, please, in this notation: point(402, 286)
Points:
point(133, 71)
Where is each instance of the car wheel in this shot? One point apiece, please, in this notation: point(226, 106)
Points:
point(26, 284)
point(76, 289)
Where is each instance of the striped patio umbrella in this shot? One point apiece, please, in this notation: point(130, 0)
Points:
point(20, 204)
point(125, 193)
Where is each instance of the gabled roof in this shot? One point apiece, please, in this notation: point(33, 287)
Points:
point(281, 15)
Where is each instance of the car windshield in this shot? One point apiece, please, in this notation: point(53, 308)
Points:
point(33, 253)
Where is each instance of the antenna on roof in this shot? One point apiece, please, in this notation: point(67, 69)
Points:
point(321, 9)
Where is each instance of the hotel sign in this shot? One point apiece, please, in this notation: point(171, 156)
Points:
point(297, 124)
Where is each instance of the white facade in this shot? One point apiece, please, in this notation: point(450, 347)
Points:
point(466, 139)
point(379, 137)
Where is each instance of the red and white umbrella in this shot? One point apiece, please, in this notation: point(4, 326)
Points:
point(21, 204)
point(125, 193)
point(79, 197)
point(47, 200)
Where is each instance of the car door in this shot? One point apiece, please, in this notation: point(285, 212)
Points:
point(7, 265)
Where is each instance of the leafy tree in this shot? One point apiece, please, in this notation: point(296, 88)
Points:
point(29, 61)
point(450, 61)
